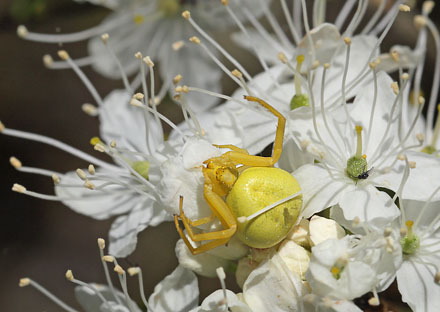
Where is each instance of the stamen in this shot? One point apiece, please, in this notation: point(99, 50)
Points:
point(228, 56)
point(65, 57)
point(373, 108)
point(81, 174)
point(123, 281)
point(90, 109)
point(373, 20)
point(239, 75)
point(101, 245)
point(343, 13)
point(243, 219)
point(138, 271)
point(222, 276)
point(71, 278)
point(27, 281)
point(105, 37)
point(293, 31)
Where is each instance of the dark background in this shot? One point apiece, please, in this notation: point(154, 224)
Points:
point(42, 239)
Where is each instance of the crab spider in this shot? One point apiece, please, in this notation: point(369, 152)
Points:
point(249, 183)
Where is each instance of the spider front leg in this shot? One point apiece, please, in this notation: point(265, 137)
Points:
point(221, 210)
point(259, 161)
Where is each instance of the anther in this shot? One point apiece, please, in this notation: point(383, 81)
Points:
point(99, 147)
point(195, 39)
point(62, 54)
point(55, 179)
point(108, 258)
point(177, 79)
point(139, 96)
point(401, 157)
point(404, 8)
point(315, 64)
point(395, 87)
point(89, 109)
point(387, 232)
point(91, 169)
point(2, 127)
point(104, 38)
point(420, 21)
point(428, 6)
point(282, 57)
point(356, 222)
point(22, 31)
point(138, 55)
point(47, 60)
point(101, 243)
point(327, 65)
point(69, 275)
point(18, 188)
point(372, 65)
point(437, 277)
point(395, 56)
point(186, 14)
point(133, 271)
point(81, 174)
point(135, 102)
point(403, 232)
point(412, 164)
point(373, 301)
point(178, 45)
point(242, 219)
point(237, 73)
point(405, 76)
point(89, 185)
point(420, 137)
point(113, 144)
point(15, 162)
point(118, 269)
point(225, 2)
point(347, 40)
point(24, 282)
point(148, 61)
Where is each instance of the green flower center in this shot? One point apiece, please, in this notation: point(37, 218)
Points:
point(356, 166)
point(169, 8)
point(411, 242)
point(142, 167)
point(299, 99)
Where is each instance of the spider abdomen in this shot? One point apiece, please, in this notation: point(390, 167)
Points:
point(256, 188)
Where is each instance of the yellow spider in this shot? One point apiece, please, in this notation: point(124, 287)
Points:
point(250, 183)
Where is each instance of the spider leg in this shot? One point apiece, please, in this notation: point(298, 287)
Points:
point(260, 161)
point(233, 148)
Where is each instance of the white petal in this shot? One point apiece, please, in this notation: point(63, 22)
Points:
point(125, 123)
point(124, 230)
point(93, 203)
point(203, 264)
point(322, 229)
point(90, 301)
point(214, 303)
point(416, 284)
point(297, 258)
point(319, 190)
point(422, 181)
point(369, 205)
point(293, 156)
point(272, 287)
point(178, 292)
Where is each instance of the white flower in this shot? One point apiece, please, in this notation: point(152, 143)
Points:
point(155, 28)
point(418, 276)
point(332, 272)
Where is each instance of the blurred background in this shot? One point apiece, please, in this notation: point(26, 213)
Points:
point(42, 239)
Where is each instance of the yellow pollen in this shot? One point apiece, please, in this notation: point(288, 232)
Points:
point(364, 156)
point(409, 224)
point(335, 271)
point(138, 19)
point(358, 128)
point(95, 140)
point(299, 61)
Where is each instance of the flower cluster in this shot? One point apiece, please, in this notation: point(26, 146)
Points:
point(344, 203)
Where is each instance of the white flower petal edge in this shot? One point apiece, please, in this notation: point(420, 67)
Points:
point(273, 288)
point(178, 292)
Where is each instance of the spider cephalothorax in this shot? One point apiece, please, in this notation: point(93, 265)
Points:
point(262, 203)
